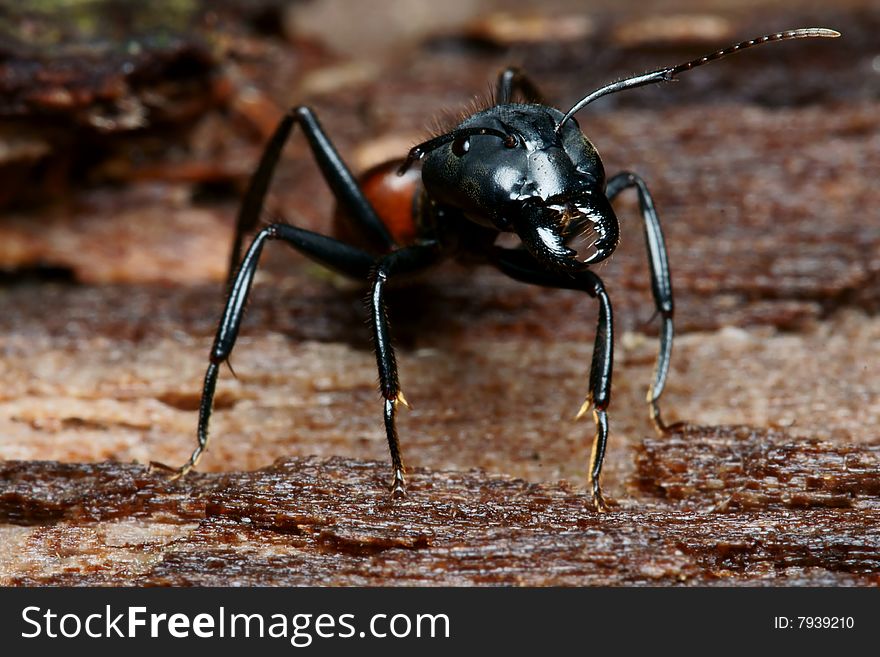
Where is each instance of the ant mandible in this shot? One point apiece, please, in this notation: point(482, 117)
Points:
point(515, 167)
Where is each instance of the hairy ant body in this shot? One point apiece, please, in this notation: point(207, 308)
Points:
point(520, 167)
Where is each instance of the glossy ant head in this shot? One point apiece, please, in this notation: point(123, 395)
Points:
point(528, 168)
point(509, 169)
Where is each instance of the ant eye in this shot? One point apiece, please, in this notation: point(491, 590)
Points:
point(501, 223)
point(461, 146)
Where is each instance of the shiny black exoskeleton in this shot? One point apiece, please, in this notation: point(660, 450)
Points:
point(519, 173)
point(521, 167)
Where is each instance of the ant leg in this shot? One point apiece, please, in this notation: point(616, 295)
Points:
point(600, 381)
point(336, 173)
point(337, 255)
point(520, 265)
point(661, 285)
point(405, 260)
point(513, 79)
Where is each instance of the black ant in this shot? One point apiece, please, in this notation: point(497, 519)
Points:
point(515, 167)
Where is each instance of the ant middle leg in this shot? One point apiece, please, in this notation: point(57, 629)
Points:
point(520, 265)
point(337, 175)
point(661, 285)
point(406, 260)
point(327, 251)
point(513, 79)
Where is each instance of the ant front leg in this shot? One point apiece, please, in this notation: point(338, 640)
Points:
point(325, 250)
point(513, 79)
point(520, 265)
point(661, 284)
point(337, 175)
point(405, 260)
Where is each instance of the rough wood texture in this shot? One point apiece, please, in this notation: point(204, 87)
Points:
point(745, 468)
point(304, 521)
point(765, 172)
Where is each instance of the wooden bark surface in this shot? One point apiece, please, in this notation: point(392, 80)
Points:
point(751, 509)
point(764, 170)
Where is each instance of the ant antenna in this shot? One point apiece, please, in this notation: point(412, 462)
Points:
point(668, 74)
point(419, 151)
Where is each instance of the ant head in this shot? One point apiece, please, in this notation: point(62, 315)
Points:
point(529, 169)
point(509, 168)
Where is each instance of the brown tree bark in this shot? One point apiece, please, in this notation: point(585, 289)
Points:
point(738, 505)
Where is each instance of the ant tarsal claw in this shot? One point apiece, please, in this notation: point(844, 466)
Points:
point(154, 466)
point(398, 485)
point(181, 472)
point(656, 419)
point(173, 473)
point(597, 498)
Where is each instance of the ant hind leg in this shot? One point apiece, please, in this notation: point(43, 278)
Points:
point(320, 248)
point(338, 176)
point(513, 79)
